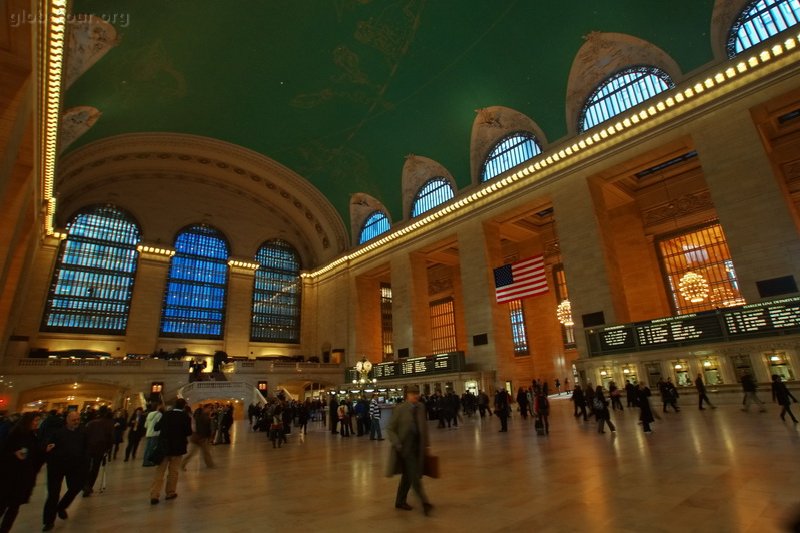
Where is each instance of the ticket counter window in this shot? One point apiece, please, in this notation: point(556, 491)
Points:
point(605, 378)
point(742, 365)
point(711, 373)
point(682, 378)
point(778, 364)
point(653, 369)
point(629, 374)
point(472, 386)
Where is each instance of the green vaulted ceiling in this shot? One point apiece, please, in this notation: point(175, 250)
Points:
point(341, 91)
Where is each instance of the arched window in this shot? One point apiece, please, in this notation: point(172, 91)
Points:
point(759, 21)
point(194, 302)
point(436, 191)
point(622, 91)
point(276, 294)
point(93, 280)
point(375, 224)
point(510, 152)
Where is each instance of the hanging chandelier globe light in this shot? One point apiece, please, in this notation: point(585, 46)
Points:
point(564, 313)
point(693, 287)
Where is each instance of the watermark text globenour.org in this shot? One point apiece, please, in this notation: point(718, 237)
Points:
point(18, 18)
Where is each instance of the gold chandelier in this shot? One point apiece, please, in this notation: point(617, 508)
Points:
point(564, 313)
point(693, 287)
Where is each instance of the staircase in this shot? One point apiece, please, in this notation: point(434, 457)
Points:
point(199, 391)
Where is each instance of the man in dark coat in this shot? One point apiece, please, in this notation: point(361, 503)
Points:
point(175, 427)
point(408, 433)
point(68, 459)
point(99, 440)
point(502, 408)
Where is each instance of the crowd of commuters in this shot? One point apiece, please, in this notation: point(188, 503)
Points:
point(77, 446)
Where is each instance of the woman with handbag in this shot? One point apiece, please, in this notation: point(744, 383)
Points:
point(601, 411)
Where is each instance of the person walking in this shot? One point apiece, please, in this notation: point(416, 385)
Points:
point(135, 433)
point(701, 393)
point(150, 433)
point(541, 409)
point(201, 437)
point(749, 388)
point(646, 415)
point(601, 412)
point(408, 433)
point(21, 458)
point(502, 407)
point(579, 403)
point(99, 441)
point(375, 419)
point(784, 398)
point(174, 428)
point(67, 459)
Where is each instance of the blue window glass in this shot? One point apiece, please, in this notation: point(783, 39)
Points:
point(375, 224)
point(511, 151)
point(519, 334)
point(436, 191)
point(622, 91)
point(759, 21)
point(93, 280)
point(194, 302)
point(276, 294)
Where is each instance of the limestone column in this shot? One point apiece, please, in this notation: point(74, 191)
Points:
point(755, 217)
point(410, 311)
point(583, 254)
point(367, 323)
point(479, 250)
point(144, 319)
point(39, 279)
point(238, 310)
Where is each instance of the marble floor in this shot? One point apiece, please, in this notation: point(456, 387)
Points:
point(707, 471)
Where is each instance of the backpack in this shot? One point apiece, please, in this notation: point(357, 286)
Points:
point(598, 404)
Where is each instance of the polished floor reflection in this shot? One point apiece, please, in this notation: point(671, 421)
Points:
point(715, 470)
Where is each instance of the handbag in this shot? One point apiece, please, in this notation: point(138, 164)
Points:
point(157, 453)
point(430, 466)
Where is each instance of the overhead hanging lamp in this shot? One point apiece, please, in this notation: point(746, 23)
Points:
point(693, 287)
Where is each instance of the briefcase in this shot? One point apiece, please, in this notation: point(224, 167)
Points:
point(430, 467)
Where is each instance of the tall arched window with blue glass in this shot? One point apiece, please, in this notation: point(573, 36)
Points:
point(93, 279)
point(509, 152)
point(760, 20)
point(194, 302)
point(276, 294)
point(436, 191)
point(622, 91)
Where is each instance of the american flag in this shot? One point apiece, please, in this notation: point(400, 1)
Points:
point(522, 279)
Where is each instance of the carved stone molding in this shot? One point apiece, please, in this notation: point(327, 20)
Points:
point(604, 54)
point(438, 286)
point(75, 122)
point(491, 125)
point(416, 171)
point(677, 208)
point(361, 206)
point(722, 18)
point(90, 38)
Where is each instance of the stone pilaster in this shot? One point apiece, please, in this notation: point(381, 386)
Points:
point(755, 217)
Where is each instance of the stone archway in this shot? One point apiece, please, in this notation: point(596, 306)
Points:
point(71, 394)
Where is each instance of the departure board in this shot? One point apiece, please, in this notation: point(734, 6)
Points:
point(677, 331)
point(776, 317)
point(765, 317)
point(418, 366)
point(612, 339)
point(384, 370)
